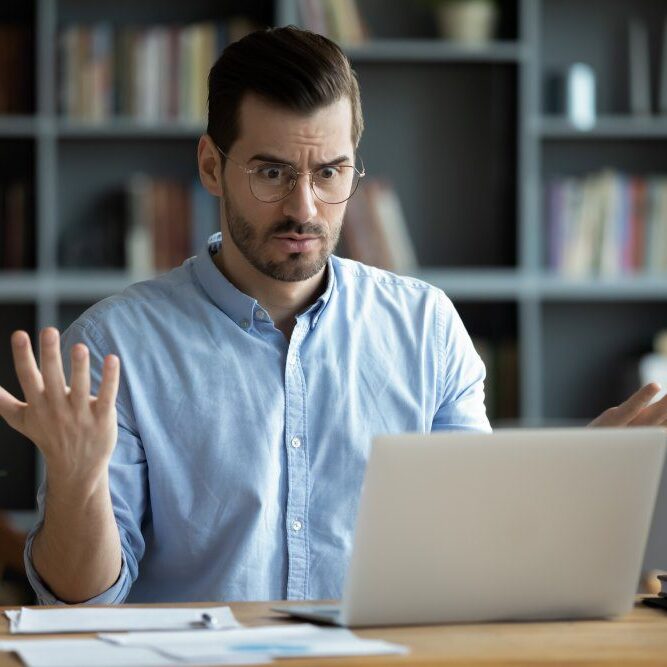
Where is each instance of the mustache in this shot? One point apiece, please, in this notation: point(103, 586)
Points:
point(287, 226)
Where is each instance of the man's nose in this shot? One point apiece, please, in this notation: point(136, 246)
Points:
point(300, 204)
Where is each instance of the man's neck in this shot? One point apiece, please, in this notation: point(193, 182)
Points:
point(283, 300)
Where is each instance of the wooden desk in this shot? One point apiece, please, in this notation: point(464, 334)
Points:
point(639, 638)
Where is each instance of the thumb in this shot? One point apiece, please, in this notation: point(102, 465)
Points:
point(12, 410)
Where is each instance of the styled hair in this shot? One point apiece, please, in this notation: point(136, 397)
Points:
point(293, 68)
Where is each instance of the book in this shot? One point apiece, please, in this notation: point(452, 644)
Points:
point(662, 87)
point(375, 231)
point(362, 233)
point(339, 20)
point(152, 73)
point(14, 233)
point(606, 224)
point(167, 222)
point(639, 84)
point(501, 386)
point(16, 66)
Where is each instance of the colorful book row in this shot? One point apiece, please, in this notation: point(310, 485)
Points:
point(607, 224)
point(148, 73)
point(149, 226)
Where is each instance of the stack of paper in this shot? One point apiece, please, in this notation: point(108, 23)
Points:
point(276, 641)
point(88, 652)
point(113, 619)
point(241, 646)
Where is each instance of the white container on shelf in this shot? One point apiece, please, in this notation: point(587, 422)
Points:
point(467, 21)
point(580, 96)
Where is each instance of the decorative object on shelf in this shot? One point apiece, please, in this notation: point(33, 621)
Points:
point(650, 582)
point(607, 224)
point(339, 20)
point(580, 96)
point(470, 22)
point(639, 71)
point(653, 366)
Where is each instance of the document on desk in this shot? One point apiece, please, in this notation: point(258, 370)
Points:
point(88, 652)
point(247, 646)
point(112, 619)
point(275, 641)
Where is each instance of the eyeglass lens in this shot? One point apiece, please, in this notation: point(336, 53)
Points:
point(331, 184)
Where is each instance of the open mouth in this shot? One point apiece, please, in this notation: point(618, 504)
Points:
point(295, 243)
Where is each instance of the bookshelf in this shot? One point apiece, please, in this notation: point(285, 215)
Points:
point(471, 147)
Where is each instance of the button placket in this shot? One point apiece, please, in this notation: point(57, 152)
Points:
point(297, 469)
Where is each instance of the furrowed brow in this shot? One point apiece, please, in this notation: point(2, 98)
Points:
point(265, 157)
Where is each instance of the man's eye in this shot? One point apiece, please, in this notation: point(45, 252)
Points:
point(327, 173)
point(272, 172)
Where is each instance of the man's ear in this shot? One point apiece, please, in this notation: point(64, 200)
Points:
point(209, 161)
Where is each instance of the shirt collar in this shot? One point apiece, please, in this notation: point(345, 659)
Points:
point(238, 306)
point(324, 298)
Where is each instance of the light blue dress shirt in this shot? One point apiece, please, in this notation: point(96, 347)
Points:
point(240, 454)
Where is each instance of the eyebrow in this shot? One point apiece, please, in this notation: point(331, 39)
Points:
point(264, 157)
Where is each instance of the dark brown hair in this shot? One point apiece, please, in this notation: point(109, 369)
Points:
point(297, 69)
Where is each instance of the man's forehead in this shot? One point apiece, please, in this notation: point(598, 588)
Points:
point(263, 124)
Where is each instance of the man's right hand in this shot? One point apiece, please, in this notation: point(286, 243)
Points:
point(75, 432)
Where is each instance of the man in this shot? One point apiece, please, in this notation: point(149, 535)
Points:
point(225, 463)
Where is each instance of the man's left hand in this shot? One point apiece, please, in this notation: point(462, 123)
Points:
point(636, 411)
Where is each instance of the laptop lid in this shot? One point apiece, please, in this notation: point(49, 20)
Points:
point(518, 524)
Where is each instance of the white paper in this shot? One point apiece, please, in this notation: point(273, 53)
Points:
point(89, 652)
point(96, 619)
point(266, 632)
point(276, 641)
point(84, 653)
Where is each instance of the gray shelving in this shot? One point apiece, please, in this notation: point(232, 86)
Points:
point(430, 97)
point(449, 109)
point(127, 129)
point(429, 50)
point(606, 127)
point(463, 134)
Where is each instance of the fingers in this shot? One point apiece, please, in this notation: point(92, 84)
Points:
point(653, 415)
point(630, 409)
point(28, 374)
point(11, 410)
point(51, 364)
point(106, 397)
point(80, 377)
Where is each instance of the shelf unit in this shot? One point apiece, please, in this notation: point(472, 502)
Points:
point(470, 148)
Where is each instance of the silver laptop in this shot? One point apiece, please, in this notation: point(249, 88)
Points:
point(517, 525)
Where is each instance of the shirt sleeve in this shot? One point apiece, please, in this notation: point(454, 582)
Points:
point(461, 375)
point(127, 477)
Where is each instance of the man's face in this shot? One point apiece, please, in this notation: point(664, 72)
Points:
point(266, 234)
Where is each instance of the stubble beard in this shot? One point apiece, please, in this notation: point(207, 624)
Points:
point(298, 266)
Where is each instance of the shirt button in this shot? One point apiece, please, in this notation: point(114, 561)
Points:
point(296, 442)
point(297, 526)
point(244, 324)
point(260, 315)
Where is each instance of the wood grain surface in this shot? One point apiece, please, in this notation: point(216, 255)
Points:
point(640, 639)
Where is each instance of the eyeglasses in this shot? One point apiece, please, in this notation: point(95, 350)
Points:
point(272, 181)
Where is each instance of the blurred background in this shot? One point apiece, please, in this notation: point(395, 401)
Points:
point(516, 154)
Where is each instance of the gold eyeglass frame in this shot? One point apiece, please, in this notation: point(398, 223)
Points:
point(250, 172)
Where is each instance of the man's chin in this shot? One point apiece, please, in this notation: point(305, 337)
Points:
point(296, 268)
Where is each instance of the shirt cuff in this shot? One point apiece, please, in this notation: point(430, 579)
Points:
point(113, 595)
